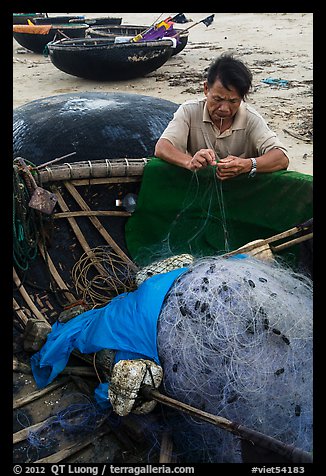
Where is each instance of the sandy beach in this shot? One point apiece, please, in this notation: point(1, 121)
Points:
point(278, 48)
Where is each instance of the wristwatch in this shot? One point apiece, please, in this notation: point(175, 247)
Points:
point(253, 170)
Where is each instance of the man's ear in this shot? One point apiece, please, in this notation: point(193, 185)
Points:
point(205, 88)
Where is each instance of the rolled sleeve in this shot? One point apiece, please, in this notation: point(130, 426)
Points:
point(177, 131)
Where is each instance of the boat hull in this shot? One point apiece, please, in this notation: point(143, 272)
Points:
point(37, 42)
point(103, 60)
point(92, 124)
point(22, 18)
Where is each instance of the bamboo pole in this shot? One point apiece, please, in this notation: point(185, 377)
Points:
point(271, 239)
point(93, 170)
point(264, 441)
point(27, 298)
point(91, 213)
point(20, 402)
point(21, 435)
point(295, 241)
point(105, 180)
point(83, 371)
point(79, 235)
point(19, 312)
point(166, 451)
point(55, 274)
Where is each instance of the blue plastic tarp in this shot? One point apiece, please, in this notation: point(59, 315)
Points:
point(127, 324)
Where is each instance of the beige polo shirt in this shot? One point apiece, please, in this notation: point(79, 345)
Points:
point(191, 129)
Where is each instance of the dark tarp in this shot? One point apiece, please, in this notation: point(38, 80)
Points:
point(179, 211)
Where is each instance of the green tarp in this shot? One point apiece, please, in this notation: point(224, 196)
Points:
point(179, 211)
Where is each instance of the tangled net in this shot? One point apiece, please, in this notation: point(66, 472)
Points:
point(26, 221)
point(100, 275)
point(235, 340)
point(78, 418)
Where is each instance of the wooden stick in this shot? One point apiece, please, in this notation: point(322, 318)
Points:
point(300, 239)
point(93, 170)
point(105, 180)
point(20, 366)
point(96, 222)
point(27, 298)
point(259, 243)
point(91, 213)
point(53, 161)
point(20, 313)
point(84, 371)
point(79, 235)
point(21, 435)
point(55, 274)
point(166, 451)
point(297, 136)
point(260, 439)
point(19, 402)
point(187, 29)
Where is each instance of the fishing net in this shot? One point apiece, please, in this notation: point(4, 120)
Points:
point(235, 340)
point(77, 419)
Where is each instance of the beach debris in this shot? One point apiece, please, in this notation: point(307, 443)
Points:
point(276, 82)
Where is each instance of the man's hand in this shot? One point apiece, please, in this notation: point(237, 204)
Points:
point(126, 380)
point(232, 166)
point(202, 158)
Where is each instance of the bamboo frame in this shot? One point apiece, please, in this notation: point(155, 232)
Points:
point(91, 213)
point(21, 435)
point(20, 402)
point(92, 170)
point(78, 233)
point(105, 180)
point(22, 316)
point(27, 298)
point(55, 274)
point(96, 222)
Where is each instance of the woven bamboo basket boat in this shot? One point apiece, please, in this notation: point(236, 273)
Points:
point(102, 59)
point(36, 37)
point(60, 259)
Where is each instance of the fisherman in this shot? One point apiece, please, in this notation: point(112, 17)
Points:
point(222, 129)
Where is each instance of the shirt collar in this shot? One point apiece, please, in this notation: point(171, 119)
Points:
point(240, 118)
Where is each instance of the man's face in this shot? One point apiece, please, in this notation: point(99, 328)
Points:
point(221, 103)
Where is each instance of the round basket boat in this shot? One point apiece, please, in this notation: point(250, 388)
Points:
point(59, 20)
point(22, 18)
point(102, 59)
point(132, 30)
point(100, 21)
point(36, 37)
point(94, 125)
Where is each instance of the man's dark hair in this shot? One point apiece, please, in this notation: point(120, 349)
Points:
point(231, 72)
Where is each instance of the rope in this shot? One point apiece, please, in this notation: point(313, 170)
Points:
point(96, 289)
point(26, 222)
point(28, 227)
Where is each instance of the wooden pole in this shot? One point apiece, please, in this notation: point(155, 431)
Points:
point(288, 451)
point(271, 239)
point(27, 298)
point(295, 241)
point(20, 402)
